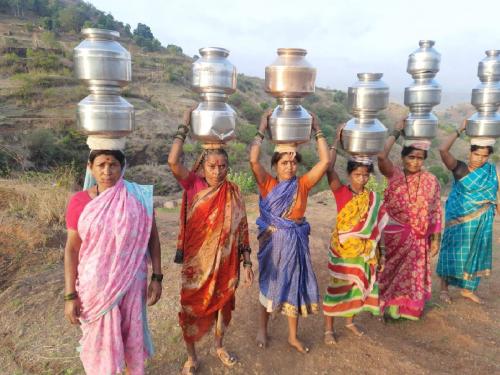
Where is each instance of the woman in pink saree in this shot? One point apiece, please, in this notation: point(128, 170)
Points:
point(413, 233)
point(111, 236)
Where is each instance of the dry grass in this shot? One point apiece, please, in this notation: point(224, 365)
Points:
point(32, 210)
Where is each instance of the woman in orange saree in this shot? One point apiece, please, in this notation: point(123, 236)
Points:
point(213, 239)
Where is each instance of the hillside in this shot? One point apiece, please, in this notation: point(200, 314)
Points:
point(38, 98)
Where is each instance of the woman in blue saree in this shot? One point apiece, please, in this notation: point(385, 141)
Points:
point(286, 279)
point(466, 249)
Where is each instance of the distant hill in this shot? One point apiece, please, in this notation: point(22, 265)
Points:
point(38, 96)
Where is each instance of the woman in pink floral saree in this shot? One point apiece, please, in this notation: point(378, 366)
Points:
point(412, 235)
point(111, 235)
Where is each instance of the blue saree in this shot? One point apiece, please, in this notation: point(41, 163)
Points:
point(286, 277)
point(466, 247)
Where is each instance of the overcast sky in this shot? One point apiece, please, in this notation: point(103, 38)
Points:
point(342, 37)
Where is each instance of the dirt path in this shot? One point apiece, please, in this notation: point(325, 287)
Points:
point(461, 338)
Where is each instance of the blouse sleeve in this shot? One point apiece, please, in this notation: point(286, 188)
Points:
point(75, 207)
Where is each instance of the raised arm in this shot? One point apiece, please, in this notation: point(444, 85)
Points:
point(258, 169)
point(316, 172)
point(385, 164)
point(179, 171)
point(333, 177)
point(444, 150)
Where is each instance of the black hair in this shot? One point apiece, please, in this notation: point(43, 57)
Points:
point(203, 157)
point(407, 150)
point(278, 155)
point(476, 147)
point(353, 165)
point(117, 154)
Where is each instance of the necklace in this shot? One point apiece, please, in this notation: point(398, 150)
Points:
point(410, 201)
point(352, 190)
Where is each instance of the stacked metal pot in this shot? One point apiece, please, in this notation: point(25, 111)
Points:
point(486, 98)
point(364, 135)
point(105, 66)
point(214, 78)
point(424, 93)
point(289, 79)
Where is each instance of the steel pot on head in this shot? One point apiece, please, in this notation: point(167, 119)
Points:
point(100, 60)
point(213, 121)
point(290, 122)
point(213, 72)
point(365, 134)
point(424, 93)
point(424, 62)
point(108, 116)
point(290, 75)
point(486, 98)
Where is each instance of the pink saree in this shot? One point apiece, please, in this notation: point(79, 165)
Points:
point(112, 273)
point(414, 206)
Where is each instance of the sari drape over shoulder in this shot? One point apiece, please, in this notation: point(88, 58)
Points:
point(353, 258)
point(466, 249)
point(414, 205)
point(115, 228)
point(286, 278)
point(214, 232)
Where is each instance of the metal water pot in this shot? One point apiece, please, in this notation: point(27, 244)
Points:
point(424, 93)
point(290, 75)
point(105, 66)
point(290, 122)
point(289, 79)
point(213, 72)
point(213, 121)
point(109, 116)
point(101, 60)
point(214, 77)
point(365, 134)
point(486, 98)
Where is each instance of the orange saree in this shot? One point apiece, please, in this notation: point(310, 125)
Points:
point(213, 234)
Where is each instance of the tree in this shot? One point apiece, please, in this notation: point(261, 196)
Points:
point(143, 31)
point(72, 18)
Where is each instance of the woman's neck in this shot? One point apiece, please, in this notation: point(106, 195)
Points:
point(357, 189)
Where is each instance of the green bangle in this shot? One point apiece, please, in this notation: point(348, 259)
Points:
point(70, 296)
point(247, 263)
point(260, 134)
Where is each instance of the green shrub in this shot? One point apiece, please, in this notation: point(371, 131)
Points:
point(49, 149)
point(177, 73)
point(246, 133)
point(43, 60)
point(245, 181)
point(441, 173)
point(377, 185)
point(250, 112)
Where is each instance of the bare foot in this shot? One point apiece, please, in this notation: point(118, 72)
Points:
point(354, 329)
point(444, 296)
point(297, 345)
point(190, 367)
point(470, 295)
point(261, 339)
point(227, 359)
point(330, 338)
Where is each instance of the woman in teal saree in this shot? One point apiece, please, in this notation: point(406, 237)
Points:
point(466, 249)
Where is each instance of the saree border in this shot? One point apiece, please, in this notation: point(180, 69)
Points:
point(469, 217)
